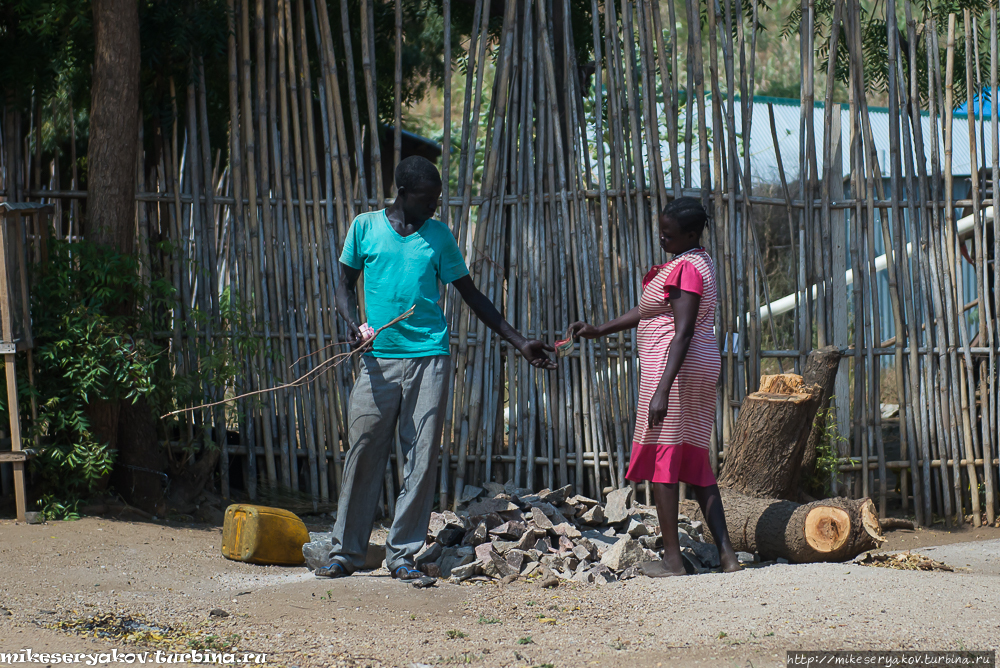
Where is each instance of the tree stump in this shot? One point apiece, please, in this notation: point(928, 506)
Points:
point(765, 454)
point(821, 369)
point(763, 467)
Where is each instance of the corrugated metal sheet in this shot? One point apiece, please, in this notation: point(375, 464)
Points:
point(787, 119)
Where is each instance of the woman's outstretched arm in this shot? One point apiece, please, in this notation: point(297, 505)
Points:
point(583, 330)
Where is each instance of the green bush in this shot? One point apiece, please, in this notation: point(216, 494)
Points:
point(91, 324)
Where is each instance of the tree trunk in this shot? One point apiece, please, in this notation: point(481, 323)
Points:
point(765, 454)
point(111, 183)
point(114, 125)
point(140, 474)
point(829, 530)
point(821, 369)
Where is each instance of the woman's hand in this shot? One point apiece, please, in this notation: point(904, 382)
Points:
point(582, 330)
point(658, 407)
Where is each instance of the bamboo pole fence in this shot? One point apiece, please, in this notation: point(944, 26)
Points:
point(552, 192)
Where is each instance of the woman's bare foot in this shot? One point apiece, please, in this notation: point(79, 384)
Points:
point(664, 568)
point(730, 562)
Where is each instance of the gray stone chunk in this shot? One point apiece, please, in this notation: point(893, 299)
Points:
point(593, 516)
point(555, 497)
point(691, 563)
point(428, 553)
point(623, 554)
point(463, 572)
point(604, 577)
point(583, 500)
point(652, 542)
point(636, 528)
point(708, 554)
point(746, 558)
point(477, 536)
point(540, 519)
point(516, 559)
point(450, 536)
point(567, 530)
point(470, 493)
point(509, 530)
point(616, 509)
point(527, 541)
point(494, 488)
point(599, 540)
point(565, 545)
point(503, 568)
point(504, 546)
point(317, 551)
point(441, 521)
point(453, 558)
point(483, 551)
point(495, 505)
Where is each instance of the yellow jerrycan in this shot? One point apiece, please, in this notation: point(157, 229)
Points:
point(262, 535)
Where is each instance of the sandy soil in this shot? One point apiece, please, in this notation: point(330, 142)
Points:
point(171, 576)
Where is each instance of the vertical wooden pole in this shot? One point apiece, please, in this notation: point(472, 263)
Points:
point(13, 409)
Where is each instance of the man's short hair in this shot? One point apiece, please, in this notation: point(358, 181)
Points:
point(415, 170)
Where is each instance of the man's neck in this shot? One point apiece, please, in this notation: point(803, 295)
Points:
point(400, 222)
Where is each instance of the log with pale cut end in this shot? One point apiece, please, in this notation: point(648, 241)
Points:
point(828, 530)
point(764, 455)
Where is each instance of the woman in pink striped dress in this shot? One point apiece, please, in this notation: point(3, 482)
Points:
point(680, 362)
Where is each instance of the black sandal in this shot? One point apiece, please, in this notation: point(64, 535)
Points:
point(334, 570)
point(406, 573)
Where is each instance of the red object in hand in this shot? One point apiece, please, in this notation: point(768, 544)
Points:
point(564, 347)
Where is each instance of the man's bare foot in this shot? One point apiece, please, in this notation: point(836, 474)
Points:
point(662, 568)
point(730, 562)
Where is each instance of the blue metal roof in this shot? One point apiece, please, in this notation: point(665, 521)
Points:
point(787, 118)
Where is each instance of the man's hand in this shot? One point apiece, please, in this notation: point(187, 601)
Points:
point(658, 408)
point(359, 336)
point(534, 351)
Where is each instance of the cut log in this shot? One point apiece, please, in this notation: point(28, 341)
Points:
point(821, 369)
point(764, 455)
point(828, 530)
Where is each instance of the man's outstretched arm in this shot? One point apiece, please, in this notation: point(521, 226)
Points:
point(532, 350)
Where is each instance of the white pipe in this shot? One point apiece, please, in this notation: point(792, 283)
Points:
point(787, 303)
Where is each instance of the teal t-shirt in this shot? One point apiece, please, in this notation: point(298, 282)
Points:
point(401, 272)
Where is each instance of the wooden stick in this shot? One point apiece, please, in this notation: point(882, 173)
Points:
point(310, 375)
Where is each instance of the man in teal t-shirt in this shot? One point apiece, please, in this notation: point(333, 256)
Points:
point(405, 256)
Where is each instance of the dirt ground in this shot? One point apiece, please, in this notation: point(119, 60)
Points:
point(160, 581)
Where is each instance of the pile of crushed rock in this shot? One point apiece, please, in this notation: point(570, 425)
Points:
point(502, 532)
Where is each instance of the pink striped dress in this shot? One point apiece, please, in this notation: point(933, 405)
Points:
point(677, 449)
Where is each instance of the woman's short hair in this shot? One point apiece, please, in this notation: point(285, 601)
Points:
point(688, 213)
